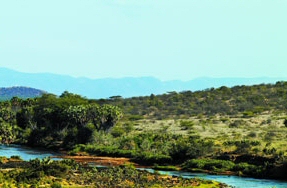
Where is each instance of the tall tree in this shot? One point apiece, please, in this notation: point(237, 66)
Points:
point(105, 117)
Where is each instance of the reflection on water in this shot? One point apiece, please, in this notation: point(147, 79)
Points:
point(26, 153)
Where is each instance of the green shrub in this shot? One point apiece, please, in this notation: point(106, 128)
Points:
point(186, 125)
point(243, 146)
point(236, 123)
point(3, 160)
point(117, 131)
point(242, 166)
point(285, 122)
point(166, 168)
point(135, 117)
point(56, 185)
point(252, 134)
point(128, 127)
point(16, 157)
point(148, 158)
point(249, 169)
point(248, 114)
point(103, 150)
point(209, 164)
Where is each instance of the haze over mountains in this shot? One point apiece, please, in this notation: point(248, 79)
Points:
point(125, 87)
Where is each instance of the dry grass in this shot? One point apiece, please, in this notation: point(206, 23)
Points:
point(267, 128)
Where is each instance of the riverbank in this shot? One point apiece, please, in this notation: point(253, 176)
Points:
point(228, 177)
point(67, 173)
point(207, 166)
point(119, 161)
point(237, 181)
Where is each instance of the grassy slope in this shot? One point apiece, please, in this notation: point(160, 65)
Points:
point(267, 128)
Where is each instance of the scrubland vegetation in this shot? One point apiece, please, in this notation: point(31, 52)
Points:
point(67, 173)
point(240, 130)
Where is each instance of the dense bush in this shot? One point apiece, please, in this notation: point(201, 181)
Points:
point(245, 168)
point(148, 158)
point(215, 165)
point(104, 151)
point(186, 125)
point(38, 174)
point(37, 169)
point(247, 100)
point(149, 148)
point(209, 164)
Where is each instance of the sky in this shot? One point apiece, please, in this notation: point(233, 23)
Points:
point(166, 39)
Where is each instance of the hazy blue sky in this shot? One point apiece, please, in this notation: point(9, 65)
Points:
point(167, 39)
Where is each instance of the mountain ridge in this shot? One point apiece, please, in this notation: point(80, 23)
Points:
point(6, 93)
point(125, 87)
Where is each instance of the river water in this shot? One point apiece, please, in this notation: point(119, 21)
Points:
point(27, 153)
point(236, 181)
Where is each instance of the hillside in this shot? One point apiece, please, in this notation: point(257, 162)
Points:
point(248, 100)
point(21, 92)
point(125, 87)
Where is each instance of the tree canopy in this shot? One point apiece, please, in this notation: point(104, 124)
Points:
point(55, 120)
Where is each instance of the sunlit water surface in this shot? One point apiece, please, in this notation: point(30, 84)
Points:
point(26, 153)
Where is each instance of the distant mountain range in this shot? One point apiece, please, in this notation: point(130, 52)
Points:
point(125, 87)
point(21, 92)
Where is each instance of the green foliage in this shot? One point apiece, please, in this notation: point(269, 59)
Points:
point(150, 158)
point(237, 123)
point(215, 165)
point(166, 168)
point(47, 173)
point(25, 117)
point(242, 146)
point(16, 157)
point(245, 168)
point(148, 148)
point(186, 125)
point(134, 117)
point(248, 114)
point(252, 134)
point(191, 147)
point(118, 131)
point(3, 159)
point(37, 169)
point(7, 133)
point(63, 121)
point(252, 170)
point(285, 122)
point(209, 164)
point(248, 100)
point(105, 117)
point(71, 121)
point(56, 185)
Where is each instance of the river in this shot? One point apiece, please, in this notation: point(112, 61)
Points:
point(236, 181)
point(27, 153)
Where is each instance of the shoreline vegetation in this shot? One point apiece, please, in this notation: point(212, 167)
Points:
point(240, 130)
point(15, 172)
point(207, 166)
point(85, 159)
